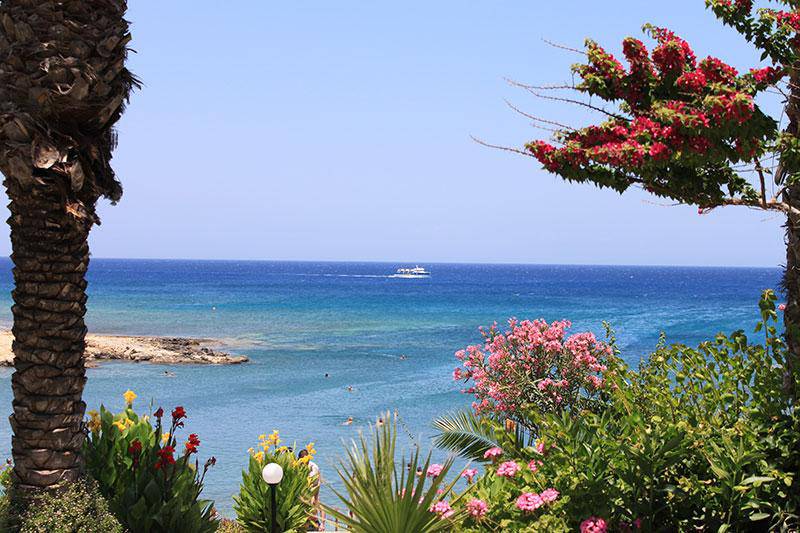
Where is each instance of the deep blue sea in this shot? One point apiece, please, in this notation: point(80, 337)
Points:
point(298, 321)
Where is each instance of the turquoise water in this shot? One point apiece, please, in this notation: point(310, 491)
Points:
point(298, 321)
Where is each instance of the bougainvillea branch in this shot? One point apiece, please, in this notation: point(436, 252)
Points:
point(690, 129)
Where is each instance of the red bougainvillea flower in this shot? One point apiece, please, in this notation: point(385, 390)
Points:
point(192, 444)
point(165, 457)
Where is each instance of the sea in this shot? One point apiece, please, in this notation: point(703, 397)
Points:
point(328, 341)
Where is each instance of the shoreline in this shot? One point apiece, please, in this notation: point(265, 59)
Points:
point(142, 349)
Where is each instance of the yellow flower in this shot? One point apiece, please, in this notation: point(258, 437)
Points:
point(282, 449)
point(128, 422)
point(164, 437)
point(120, 425)
point(262, 437)
point(250, 451)
point(304, 460)
point(94, 424)
point(259, 457)
point(129, 397)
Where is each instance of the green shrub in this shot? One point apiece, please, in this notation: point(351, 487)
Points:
point(295, 492)
point(77, 508)
point(148, 487)
point(229, 526)
point(695, 439)
point(384, 494)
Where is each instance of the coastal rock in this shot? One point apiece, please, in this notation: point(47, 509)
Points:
point(154, 350)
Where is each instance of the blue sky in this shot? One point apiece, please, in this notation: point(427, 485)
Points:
point(340, 131)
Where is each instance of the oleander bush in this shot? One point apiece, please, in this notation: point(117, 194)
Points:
point(150, 486)
point(702, 438)
point(77, 508)
point(295, 493)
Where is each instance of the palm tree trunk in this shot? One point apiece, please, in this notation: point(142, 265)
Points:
point(50, 254)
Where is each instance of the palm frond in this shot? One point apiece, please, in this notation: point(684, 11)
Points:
point(470, 435)
point(465, 434)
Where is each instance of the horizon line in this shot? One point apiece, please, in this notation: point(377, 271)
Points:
point(396, 262)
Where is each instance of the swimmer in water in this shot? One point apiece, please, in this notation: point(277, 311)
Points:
point(168, 374)
point(349, 388)
point(380, 422)
point(327, 375)
point(349, 421)
point(403, 357)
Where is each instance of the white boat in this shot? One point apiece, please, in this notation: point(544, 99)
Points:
point(410, 273)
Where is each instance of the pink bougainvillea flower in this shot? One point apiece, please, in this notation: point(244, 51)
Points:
point(781, 307)
point(594, 524)
point(534, 464)
point(508, 469)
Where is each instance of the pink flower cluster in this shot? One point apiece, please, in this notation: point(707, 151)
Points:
point(493, 453)
point(477, 508)
point(434, 470)
point(530, 501)
point(594, 524)
point(443, 509)
point(508, 469)
point(469, 474)
point(533, 363)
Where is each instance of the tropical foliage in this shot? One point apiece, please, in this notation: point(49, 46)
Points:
point(149, 485)
point(294, 494)
point(696, 438)
point(387, 493)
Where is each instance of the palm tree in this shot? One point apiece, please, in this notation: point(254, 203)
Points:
point(63, 85)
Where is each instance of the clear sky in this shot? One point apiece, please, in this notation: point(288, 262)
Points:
point(340, 131)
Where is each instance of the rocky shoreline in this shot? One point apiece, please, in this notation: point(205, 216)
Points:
point(154, 350)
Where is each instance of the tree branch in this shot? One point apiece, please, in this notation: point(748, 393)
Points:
point(531, 90)
point(498, 147)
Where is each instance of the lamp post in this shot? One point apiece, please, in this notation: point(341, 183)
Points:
point(273, 474)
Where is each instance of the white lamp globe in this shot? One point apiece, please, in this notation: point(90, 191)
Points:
point(272, 473)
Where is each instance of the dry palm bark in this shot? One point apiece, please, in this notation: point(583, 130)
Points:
point(63, 85)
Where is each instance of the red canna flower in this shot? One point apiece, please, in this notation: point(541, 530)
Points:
point(192, 444)
point(135, 448)
point(178, 413)
point(166, 457)
point(158, 414)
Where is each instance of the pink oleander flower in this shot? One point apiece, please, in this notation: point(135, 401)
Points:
point(529, 502)
point(549, 495)
point(434, 470)
point(533, 465)
point(594, 524)
point(508, 469)
point(540, 447)
point(477, 508)
point(443, 509)
point(781, 307)
point(470, 474)
point(493, 453)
